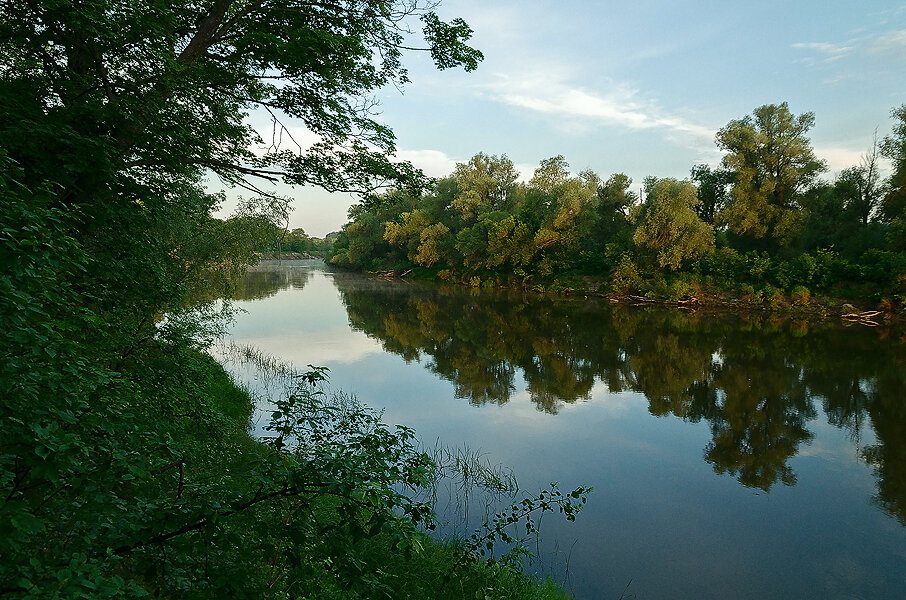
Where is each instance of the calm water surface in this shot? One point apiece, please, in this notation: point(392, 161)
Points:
point(730, 458)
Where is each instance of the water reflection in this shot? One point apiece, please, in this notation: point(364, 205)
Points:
point(269, 277)
point(757, 381)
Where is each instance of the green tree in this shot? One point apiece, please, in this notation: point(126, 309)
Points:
point(772, 163)
point(550, 173)
point(893, 207)
point(668, 224)
point(485, 183)
point(267, 219)
point(511, 242)
point(863, 186)
point(123, 452)
point(713, 190)
point(615, 202)
point(141, 99)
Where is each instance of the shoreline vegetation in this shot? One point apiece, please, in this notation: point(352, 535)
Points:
point(126, 467)
point(427, 565)
point(799, 305)
point(763, 231)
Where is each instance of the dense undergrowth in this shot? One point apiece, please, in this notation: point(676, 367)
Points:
point(126, 467)
point(126, 470)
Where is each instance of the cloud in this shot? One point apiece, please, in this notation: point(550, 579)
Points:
point(831, 52)
point(438, 164)
point(580, 109)
point(433, 162)
point(893, 43)
point(839, 158)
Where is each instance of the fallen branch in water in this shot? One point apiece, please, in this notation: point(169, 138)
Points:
point(863, 318)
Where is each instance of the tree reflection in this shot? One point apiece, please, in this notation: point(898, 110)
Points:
point(266, 279)
point(756, 381)
point(760, 421)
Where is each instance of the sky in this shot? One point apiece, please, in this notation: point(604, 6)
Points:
point(637, 87)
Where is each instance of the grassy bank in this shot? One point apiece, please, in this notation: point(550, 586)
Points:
point(293, 561)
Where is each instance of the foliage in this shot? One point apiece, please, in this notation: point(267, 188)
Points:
point(485, 183)
point(713, 190)
point(893, 147)
point(558, 227)
point(125, 466)
point(669, 225)
point(772, 163)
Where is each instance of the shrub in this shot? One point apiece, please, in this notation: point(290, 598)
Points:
point(801, 295)
point(678, 290)
point(773, 296)
point(625, 276)
point(749, 295)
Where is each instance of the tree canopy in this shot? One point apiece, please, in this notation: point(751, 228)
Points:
point(773, 162)
point(123, 110)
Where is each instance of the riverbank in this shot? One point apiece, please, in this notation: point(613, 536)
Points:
point(686, 294)
point(423, 567)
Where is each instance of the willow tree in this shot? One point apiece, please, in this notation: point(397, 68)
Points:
point(772, 162)
point(668, 224)
point(893, 207)
point(484, 183)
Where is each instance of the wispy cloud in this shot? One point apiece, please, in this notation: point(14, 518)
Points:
point(891, 43)
point(830, 52)
point(583, 109)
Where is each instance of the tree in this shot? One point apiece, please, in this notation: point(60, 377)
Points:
point(485, 183)
point(893, 147)
point(713, 190)
point(550, 173)
point(772, 163)
point(425, 243)
point(122, 453)
point(268, 219)
point(614, 204)
point(669, 225)
point(863, 185)
point(141, 99)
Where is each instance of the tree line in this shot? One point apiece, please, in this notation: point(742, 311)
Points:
point(764, 219)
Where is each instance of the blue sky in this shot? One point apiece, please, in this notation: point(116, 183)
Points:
point(640, 87)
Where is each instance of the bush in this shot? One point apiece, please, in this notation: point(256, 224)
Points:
point(678, 289)
point(749, 295)
point(774, 296)
point(801, 295)
point(625, 277)
point(882, 268)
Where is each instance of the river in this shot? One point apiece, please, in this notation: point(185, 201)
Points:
point(731, 456)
